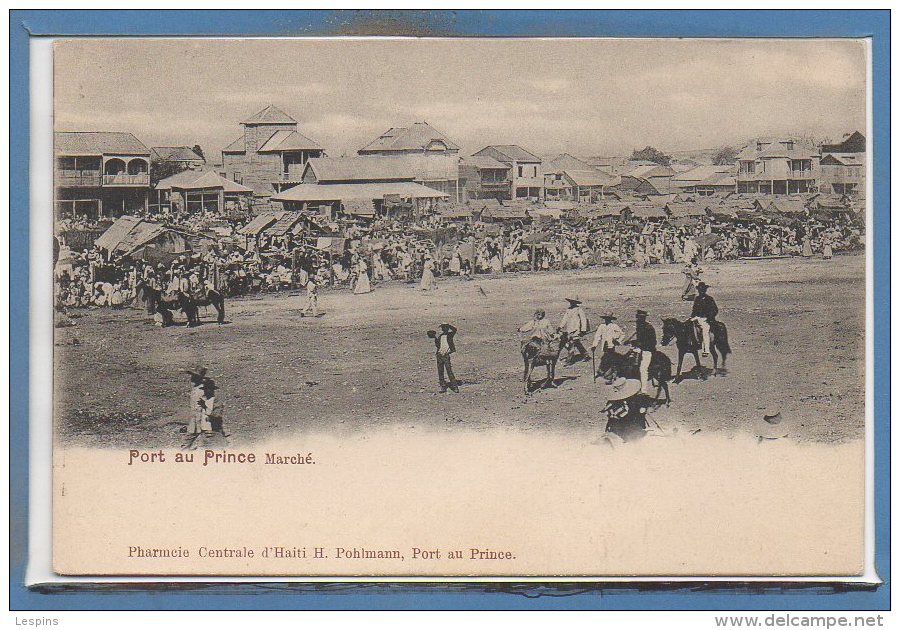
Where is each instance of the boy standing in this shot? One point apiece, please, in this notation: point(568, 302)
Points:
point(443, 342)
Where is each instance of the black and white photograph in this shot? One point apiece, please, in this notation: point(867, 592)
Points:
point(559, 306)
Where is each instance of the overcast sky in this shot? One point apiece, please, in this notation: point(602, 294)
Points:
point(586, 97)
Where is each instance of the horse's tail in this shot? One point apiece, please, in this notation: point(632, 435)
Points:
point(722, 335)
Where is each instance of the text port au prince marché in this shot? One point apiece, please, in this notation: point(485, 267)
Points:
point(211, 457)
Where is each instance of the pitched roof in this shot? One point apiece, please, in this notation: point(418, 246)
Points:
point(344, 192)
point(592, 178)
point(260, 222)
point(418, 136)
point(566, 162)
point(513, 152)
point(200, 180)
point(289, 140)
point(844, 159)
point(175, 154)
point(116, 232)
point(384, 167)
point(235, 147)
point(98, 143)
point(698, 174)
point(643, 171)
point(270, 115)
point(485, 161)
point(686, 209)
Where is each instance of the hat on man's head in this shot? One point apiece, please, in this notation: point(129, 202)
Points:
point(641, 313)
point(573, 299)
point(199, 371)
point(702, 285)
point(622, 388)
point(608, 315)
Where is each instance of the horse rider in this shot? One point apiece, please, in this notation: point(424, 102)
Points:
point(704, 314)
point(540, 328)
point(575, 323)
point(608, 335)
point(645, 343)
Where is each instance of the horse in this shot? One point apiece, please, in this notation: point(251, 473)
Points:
point(190, 303)
point(613, 365)
point(535, 353)
point(688, 341)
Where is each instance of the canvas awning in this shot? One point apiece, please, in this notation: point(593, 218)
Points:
point(351, 192)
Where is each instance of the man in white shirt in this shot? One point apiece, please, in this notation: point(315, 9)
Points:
point(575, 323)
point(608, 334)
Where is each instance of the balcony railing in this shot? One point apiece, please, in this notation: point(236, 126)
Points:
point(124, 179)
point(67, 177)
point(801, 174)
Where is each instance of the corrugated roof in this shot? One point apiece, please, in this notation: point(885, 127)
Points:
point(592, 178)
point(344, 192)
point(270, 115)
point(284, 224)
point(260, 222)
point(198, 180)
point(98, 143)
point(116, 232)
point(514, 152)
point(385, 167)
point(418, 136)
point(289, 140)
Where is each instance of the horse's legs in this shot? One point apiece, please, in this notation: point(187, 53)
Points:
point(527, 377)
point(680, 362)
point(220, 307)
point(665, 385)
point(697, 363)
point(715, 358)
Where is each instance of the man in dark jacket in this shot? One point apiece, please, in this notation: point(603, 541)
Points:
point(704, 313)
point(443, 342)
point(645, 342)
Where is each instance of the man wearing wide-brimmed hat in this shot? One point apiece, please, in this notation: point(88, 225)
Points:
point(608, 335)
point(704, 313)
point(625, 413)
point(445, 346)
point(574, 324)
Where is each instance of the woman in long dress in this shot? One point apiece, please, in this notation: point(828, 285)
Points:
point(827, 252)
point(362, 278)
point(807, 246)
point(428, 281)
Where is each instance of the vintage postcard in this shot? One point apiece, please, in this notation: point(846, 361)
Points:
point(460, 308)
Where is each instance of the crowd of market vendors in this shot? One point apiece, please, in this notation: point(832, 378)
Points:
point(419, 251)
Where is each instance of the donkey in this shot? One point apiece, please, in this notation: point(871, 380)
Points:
point(535, 353)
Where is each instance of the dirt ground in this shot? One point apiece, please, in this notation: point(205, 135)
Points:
point(796, 328)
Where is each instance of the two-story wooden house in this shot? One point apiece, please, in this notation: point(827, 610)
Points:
point(483, 177)
point(419, 137)
point(100, 174)
point(777, 167)
point(526, 173)
point(270, 155)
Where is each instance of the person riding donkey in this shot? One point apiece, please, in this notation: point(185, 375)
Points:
point(704, 314)
point(573, 325)
point(540, 328)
